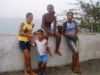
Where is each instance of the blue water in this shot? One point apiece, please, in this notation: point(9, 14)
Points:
point(11, 25)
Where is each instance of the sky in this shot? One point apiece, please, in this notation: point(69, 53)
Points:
point(13, 12)
point(19, 8)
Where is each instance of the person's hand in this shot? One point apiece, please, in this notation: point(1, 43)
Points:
point(73, 35)
point(35, 33)
point(53, 32)
point(50, 33)
point(31, 35)
point(54, 29)
point(50, 55)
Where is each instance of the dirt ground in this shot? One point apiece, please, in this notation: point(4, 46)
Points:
point(91, 67)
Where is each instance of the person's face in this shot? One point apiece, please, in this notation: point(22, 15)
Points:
point(50, 9)
point(29, 18)
point(70, 16)
point(39, 35)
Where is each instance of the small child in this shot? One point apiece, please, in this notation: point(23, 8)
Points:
point(43, 50)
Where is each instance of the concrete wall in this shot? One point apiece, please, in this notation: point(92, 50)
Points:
point(11, 57)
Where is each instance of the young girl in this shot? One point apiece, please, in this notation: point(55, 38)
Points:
point(47, 20)
point(25, 30)
point(43, 50)
point(70, 30)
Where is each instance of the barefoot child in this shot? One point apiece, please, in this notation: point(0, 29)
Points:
point(43, 50)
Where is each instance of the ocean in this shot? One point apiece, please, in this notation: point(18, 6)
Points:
point(11, 25)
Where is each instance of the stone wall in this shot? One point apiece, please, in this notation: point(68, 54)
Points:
point(11, 57)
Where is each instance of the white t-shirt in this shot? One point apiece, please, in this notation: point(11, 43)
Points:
point(41, 46)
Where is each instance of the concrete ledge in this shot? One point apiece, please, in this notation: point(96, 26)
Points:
point(11, 57)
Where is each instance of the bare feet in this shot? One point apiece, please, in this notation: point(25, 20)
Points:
point(57, 52)
point(77, 70)
point(33, 73)
point(26, 73)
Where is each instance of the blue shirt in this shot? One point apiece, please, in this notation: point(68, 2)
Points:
point(70, 28)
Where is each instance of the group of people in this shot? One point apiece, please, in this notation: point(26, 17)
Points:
point(69, 30)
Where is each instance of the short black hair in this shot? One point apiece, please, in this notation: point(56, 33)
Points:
point(40, 30)
point(28, 14)
point(69, 12)
point(50, 5)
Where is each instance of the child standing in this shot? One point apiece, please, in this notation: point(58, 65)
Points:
point(43, 50)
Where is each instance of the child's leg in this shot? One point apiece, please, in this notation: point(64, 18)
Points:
point(45, 57)
point(44, 66)
point(39, 67)
point(40, 64)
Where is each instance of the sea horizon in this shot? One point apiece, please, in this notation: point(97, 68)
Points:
point(11, 25)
